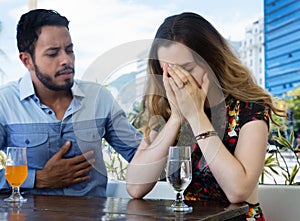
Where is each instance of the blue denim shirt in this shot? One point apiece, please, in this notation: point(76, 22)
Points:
point(92, 115)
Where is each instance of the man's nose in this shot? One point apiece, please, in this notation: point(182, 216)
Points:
point(66, 59)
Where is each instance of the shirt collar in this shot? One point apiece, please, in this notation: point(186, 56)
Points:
point(76, 91)
point(27, 88)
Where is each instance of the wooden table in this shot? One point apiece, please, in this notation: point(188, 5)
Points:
point(44, 208)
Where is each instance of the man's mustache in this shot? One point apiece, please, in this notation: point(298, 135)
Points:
point(66, 68)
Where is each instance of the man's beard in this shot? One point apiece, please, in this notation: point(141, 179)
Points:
point(48, 83)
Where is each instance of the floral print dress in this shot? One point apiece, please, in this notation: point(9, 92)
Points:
point(227, 118)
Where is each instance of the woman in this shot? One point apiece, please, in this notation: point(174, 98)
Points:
point(200, 94)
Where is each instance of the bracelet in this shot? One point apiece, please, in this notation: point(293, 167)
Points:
point(206, 134)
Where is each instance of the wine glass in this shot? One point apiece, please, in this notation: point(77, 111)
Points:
point(179, 175)
point(16, 171)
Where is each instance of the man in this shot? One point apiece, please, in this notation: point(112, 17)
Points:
point(60, 120)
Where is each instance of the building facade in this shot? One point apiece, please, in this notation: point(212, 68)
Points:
point(251, 52)
point(282, 45)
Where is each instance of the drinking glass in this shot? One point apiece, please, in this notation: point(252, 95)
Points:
point(179, 175)
point(16, 171)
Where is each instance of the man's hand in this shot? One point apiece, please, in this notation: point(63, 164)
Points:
point(59, 172)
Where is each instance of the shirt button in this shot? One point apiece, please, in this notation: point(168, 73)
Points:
point(49, 112)
point(27, 141)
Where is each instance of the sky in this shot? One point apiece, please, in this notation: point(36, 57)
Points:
point(99, 26)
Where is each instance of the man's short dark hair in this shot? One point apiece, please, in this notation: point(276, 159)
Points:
point(30, 24)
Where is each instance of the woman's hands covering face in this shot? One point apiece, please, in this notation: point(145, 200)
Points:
point(175, 111)
point(184, 91)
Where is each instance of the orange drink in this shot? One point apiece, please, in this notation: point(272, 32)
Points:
point(16, 175)
point(16, 172)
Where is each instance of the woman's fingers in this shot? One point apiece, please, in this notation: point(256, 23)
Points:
point(165, 69)
point(173, 85)
point(181, 77)
point(205, 83)
point(178, 77)
point(165, 72)
point(166, 79)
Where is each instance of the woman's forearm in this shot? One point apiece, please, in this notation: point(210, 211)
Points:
point(149, 161)
point(236, 174)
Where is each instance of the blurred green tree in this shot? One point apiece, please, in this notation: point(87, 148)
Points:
point(293, 103)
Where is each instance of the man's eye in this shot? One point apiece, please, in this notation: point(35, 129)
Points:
point(52, 55)
point(69, 51)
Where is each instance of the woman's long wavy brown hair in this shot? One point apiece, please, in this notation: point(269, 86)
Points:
point(200, 36)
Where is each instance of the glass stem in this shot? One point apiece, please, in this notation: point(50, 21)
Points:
point(179, 197)
point(16, 191)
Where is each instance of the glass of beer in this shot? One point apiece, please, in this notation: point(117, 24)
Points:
point(16, 171)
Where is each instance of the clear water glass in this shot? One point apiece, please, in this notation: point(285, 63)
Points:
point(179, 175)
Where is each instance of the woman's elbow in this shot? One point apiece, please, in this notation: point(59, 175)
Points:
point(138, 191)
point(238, 196)
point(135, 191)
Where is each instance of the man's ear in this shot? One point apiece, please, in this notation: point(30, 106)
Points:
point(26, 59)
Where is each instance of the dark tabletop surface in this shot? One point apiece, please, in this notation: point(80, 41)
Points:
point(93, 208)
